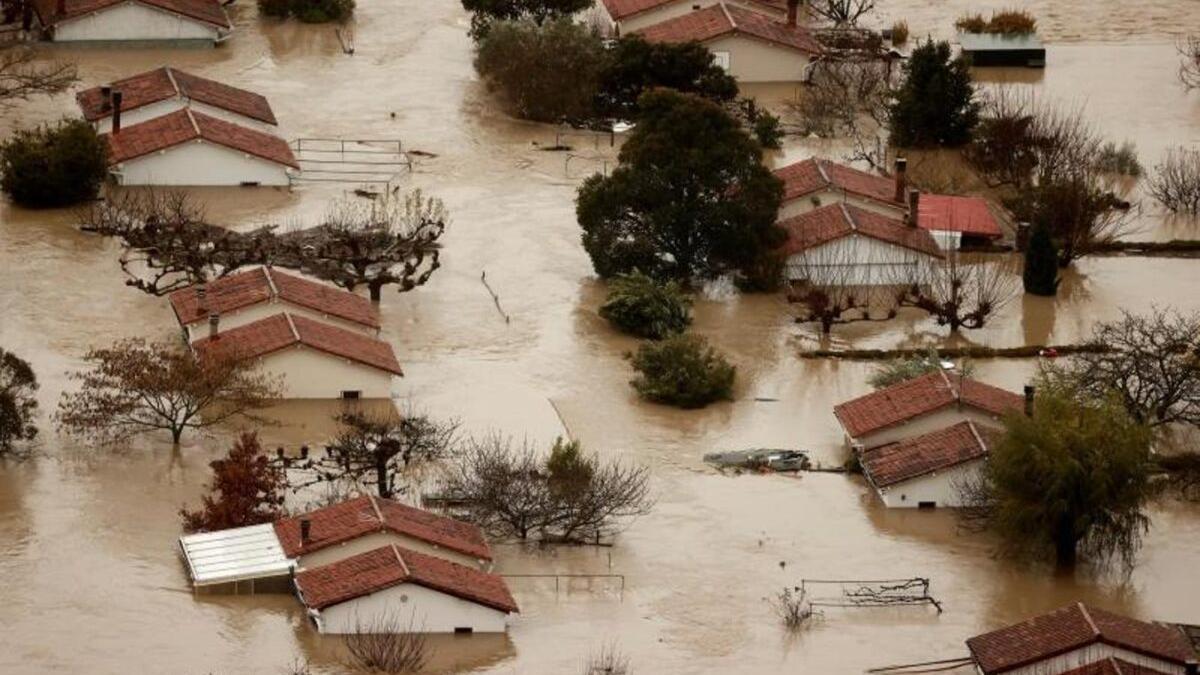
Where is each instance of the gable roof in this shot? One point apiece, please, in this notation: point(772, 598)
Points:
point(205, 11)
point(186, 125)
point(836, 221)
point(1070, 628)
point(274, 333)
point(721, 19)
point(925, 454)
point(366, 515)
point(1113, 666)
point(265, 284)
point(814, 175)
point(623, 9)
point(166, 83)
point(920, 396)
point(949, 213)
point(388, 566)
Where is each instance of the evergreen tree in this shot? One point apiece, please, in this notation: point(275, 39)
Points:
point(935, 106)
point(1041, 263)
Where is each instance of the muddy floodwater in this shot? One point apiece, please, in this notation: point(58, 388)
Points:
point(90, 581)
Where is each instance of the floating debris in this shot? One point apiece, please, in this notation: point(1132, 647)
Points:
point(761, 459)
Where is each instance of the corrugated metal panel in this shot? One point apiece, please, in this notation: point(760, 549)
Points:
point(235, 555)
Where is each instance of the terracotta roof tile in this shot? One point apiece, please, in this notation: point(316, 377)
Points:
point(1070, 628)
point(623, 9)
point(165, 83)
point(721, 19)
point(813, 175)
point(1113, 666)
point(185, 125)
point(388, 566)
point(256, 286)
point(364, 515)
point(969, 215)
point(834, 221)
point(207, 11)
point(936, 451)
point(265, 336)
point(920, 396)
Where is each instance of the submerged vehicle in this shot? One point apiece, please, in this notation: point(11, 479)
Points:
point(768, 459)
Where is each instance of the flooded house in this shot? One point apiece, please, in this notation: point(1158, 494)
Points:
point(631, 15)
point(1083, 640)
point(191, 148)
point(956, 221)
point(813, 183)
point(928, 470)
point(749, 45)
point(203, 22)
point(922, 405)
point(246, 297)
point(392, 589)
point(157, 92)
point(313, 359)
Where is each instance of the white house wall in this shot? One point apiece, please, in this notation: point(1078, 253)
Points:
point(197, 163)
point(1091, 654)
point(939, 419)
point(160, 108)
point(857, 261)
point(816, 200)
point(939, 489)
point(133, 21)
point(430, 612)
point(311, 373)
point(263, 310)
point(755, 60)
point(370, 542)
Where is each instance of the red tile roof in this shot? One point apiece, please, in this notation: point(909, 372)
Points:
point(389, 566)
point(1073, 627)
point(969, 215)
point(721, 19)
point(1113, 666)
point(835, 221)
point(623, 9)
point(920, 396)
point(366, 515)
point(925, 454)
point(166, 83)
point(263, 284)
point(283, 330)
point(814, 175)
point(186, 125)
point(206, 11)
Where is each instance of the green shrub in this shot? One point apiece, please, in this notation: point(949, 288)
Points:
point(902, 369)
point(900, 32)
point(51, 166)
point(308, 11)
point(641, 306)
point(683, 371)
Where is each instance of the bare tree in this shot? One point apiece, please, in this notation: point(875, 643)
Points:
point(502, 487)
point(960, 291)
point(842, 12)
point(792, 607)
point(848, 98)
point(388, 644)
point(1189, 68)
point(1176, 181)
point(608, 660)
point(135, 387)
point(23, 76)
point(376, 450)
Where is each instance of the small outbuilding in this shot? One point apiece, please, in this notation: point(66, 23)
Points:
point(928, 471)
point(243, 559)
point(314, 360)
point(202, 22)
point(814, 183)
point(391, 588)
point(628, 16)
point(155, 93)
point(955, 221)
point(984, 50)
point(246, 297)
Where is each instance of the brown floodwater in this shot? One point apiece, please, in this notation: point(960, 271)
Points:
point(89, 576)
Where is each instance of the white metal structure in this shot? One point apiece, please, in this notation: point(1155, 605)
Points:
point(231, 556)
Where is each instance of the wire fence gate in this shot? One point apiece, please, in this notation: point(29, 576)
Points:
point(344, 160)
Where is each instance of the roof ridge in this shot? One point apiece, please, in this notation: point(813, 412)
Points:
point(192, 119)
point(849, 217)
point(978, 438)
point(1088, 617)
point(821, 170)
point(375, 506)
point(732, 22)
point(270, 282)
point(174, 83)
point(400, 559)
point(292, 325)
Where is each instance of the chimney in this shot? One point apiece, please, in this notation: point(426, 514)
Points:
point(202, 298)
point(116, 111)
point(305, 530)
point(214, 325)
point(1029, 400)
point(1191, 668)
point(105, 97)
point(914, 206)
point(793, 9)
point(901, 179)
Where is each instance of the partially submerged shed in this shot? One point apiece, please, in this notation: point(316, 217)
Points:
point(240, 560)
point(992, 50)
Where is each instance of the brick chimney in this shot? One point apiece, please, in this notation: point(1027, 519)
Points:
point(1029, 400)
point(914, 207)
point(106, 97)
point(214, 325)
point(116, 111)
point(793, 11)
point(305, 530)
point(901, 179)
point(202, 298)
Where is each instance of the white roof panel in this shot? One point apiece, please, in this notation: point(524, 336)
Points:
point(238, 554)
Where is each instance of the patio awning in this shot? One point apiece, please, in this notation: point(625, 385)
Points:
point(239, 554)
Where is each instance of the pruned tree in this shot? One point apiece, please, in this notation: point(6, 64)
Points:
point(18, 403)
point(1176, 181)
point(1189, 67)
point(134, 387)
point(246, 489)
point(842, 12)
point(23, 76)
point(378, 451)
point(832, 287)
point(961, 291)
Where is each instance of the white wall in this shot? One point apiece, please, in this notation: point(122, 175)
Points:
point(196, 163)
point(160, 108)
point(310, 373)
point(133, 21)
point(856, 261)
point(939, 419)
point(1091, 654)
point(816, 200)
point(430, 611)
point(940, 488)
point(263, 310)
point(755, 60)
point(376, 540)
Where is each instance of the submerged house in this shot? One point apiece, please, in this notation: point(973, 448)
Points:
point(921, 405)
point(956, 221)
point(314, 360)
point(191, 148)
point(927, 471)
point(749, 45)
point(814, 183)
point(392, 588)
point(844, 245)
point(155, 93)
point(253, 295)
point(997, 49)
point(1082, 640)
point(189, 21)
point(627, 16)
